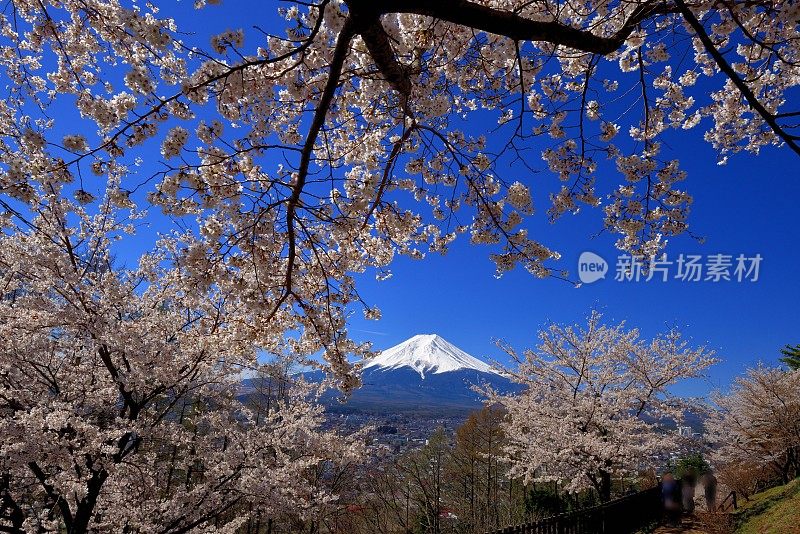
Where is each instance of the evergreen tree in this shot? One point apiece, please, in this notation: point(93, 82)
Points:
point(791, 356)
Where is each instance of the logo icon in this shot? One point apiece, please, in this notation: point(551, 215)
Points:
point(591, 267)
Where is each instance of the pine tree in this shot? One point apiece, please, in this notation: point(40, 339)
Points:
point(791, 356)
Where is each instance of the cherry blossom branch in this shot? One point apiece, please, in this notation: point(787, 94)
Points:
point(334, 71)
point(514, 26)
point(725, 67)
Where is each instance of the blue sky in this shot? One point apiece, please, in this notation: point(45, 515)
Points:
point(747, 207)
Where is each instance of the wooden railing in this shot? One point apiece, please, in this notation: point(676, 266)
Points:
point(725, 505)
point(621, 516)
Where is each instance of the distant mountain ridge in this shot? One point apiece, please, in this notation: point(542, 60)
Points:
point(424, 375)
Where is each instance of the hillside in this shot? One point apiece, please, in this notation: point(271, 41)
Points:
point(774, 510)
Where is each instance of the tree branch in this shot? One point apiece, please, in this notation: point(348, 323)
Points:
point(320, 113)
point(725, 67)
point(374, 36)
point(512, 25)
point(63, 506)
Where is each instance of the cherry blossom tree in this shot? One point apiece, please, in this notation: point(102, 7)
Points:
point(757, 422)
point(120, 392)
point(290, 164)
point(595, 403)
point(302, 158)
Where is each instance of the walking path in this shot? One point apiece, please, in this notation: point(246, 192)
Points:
point(689, 525)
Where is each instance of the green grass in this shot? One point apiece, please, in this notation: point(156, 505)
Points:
point(776, 510)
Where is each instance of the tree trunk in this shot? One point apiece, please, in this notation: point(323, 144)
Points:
point(83, 515)
point(605, 486)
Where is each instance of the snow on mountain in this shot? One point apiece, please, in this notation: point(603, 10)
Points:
point(427, 353)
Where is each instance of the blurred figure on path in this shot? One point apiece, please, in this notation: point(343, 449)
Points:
point(688, 483)
point(670, 497)
point(709, 482)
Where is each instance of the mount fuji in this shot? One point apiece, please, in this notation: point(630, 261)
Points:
point(427, 353)
point(425, 374)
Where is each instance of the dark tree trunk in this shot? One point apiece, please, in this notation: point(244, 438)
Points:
point(605, 486)
point(9, 509)
point(85, 509)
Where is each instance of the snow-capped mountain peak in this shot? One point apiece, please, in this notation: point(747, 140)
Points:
point(427, 353)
